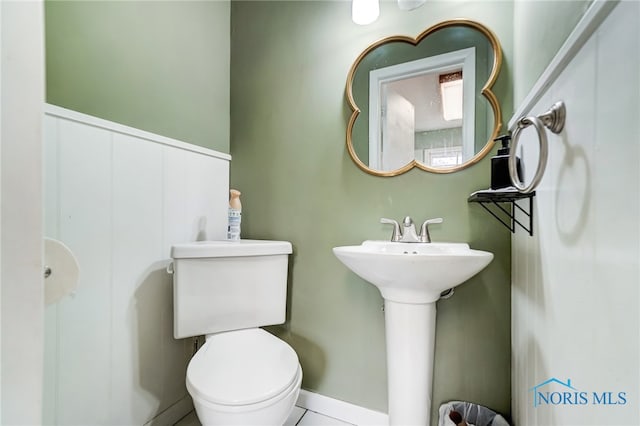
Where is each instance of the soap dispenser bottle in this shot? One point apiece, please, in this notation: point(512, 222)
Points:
point(235, 215)
point(500, 165)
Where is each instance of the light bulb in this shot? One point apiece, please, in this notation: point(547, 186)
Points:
point(364, 12)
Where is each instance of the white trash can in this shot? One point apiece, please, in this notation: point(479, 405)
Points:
point(468, 414)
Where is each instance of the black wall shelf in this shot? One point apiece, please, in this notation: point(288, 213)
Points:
point(494, 201)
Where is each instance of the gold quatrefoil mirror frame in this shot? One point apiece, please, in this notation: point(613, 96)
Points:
point(371, 83)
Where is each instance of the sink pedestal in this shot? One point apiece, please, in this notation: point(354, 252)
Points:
point(410, 331)
point(411, 278)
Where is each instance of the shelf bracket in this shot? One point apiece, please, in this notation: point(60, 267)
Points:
point(494, 202)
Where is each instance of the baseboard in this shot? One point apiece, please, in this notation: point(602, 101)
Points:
point(171, 415)
point(341, 410)
point(325, 405)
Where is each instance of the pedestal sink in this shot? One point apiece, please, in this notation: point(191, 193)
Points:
point(411, 277)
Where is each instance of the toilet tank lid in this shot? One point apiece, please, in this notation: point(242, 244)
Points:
point(229, 248)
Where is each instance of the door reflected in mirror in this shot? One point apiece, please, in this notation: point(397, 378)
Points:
point(425, 102)
point(421, 109)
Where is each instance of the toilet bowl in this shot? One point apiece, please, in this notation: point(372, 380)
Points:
point(244, 377)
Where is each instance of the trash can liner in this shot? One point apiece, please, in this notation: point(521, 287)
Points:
point(472, 414)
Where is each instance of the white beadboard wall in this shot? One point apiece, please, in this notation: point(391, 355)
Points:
point(575, 297)
point(119, 198)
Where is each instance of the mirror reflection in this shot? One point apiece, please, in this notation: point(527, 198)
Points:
point(425, 102)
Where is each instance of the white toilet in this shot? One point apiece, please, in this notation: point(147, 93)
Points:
point(226, 290)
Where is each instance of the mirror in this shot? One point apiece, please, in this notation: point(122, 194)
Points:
point(425, 102)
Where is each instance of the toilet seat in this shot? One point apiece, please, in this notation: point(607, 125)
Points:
point(242, 367)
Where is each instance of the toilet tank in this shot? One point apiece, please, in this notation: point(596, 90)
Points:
point(228, 285)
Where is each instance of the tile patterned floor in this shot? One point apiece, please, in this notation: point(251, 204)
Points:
point(299, 417)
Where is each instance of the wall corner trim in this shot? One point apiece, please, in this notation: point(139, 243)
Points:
point(56, 111)
point(591, 20)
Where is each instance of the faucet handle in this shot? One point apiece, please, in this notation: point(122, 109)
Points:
point(424, 230)
point(397, 233)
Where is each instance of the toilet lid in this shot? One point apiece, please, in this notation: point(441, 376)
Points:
point(241, 367)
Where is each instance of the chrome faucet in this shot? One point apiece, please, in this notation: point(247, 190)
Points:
point(408, 232)
point(425, 237)
point(397, 233)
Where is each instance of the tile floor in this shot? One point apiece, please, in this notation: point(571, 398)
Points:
point(299, 417)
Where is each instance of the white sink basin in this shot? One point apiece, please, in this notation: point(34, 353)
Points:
point(410, 277)
point(413, 272)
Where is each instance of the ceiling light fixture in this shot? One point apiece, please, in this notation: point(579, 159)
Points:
point(451, 92)
point(364, 12)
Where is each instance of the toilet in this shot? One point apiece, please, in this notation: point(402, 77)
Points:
point(227, 290)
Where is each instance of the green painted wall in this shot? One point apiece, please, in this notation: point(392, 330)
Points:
point(541, 28)
point(160, 66)
point(165, 67)
point(289, 64)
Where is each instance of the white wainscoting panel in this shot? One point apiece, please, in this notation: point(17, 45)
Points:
point(119, 198)
point(575, 294)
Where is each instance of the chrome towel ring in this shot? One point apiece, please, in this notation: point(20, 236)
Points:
point(553, 120)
